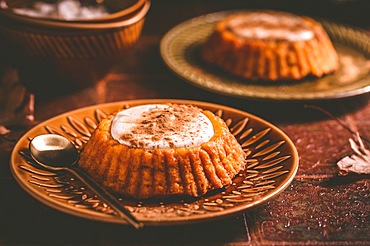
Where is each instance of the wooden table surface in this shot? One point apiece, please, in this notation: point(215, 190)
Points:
point(319, 207)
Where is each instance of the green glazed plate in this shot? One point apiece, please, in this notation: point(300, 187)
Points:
point(180, 51)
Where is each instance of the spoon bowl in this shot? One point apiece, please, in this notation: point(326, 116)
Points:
point(53, 151)
point(57, 153)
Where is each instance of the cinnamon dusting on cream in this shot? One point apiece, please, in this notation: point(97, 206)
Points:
point(269, 26)
point(161, 126)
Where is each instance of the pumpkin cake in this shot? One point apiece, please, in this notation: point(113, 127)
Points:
point(270, 46)
point(162, 150)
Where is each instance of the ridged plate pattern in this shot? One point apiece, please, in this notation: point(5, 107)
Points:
point(272, 163)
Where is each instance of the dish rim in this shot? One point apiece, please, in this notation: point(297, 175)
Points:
point(97, 216)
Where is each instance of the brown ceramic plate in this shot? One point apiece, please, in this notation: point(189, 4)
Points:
point(272, 165)
point(180, 51)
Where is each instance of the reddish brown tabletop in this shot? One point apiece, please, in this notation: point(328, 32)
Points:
point(318, 207)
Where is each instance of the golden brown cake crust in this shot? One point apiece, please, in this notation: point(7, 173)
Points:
point(271, 57)
point(146, 173)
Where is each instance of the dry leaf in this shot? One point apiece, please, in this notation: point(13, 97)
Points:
point(16, 104)
point(359, 162)
point(3, 130)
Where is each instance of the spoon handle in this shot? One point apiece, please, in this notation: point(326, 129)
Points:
point(106, 197)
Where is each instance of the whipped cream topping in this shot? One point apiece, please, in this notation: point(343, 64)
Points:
point(159, 126)
point(272, 26)
point(61, 9)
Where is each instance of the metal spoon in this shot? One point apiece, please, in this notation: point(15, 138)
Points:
point(57, 153)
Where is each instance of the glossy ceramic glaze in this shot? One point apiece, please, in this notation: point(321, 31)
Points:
point(272, 165)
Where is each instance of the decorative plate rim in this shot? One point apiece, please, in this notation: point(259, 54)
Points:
point(175, 50)
point(20, 167)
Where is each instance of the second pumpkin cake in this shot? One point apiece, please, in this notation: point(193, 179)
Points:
point(271, 46)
